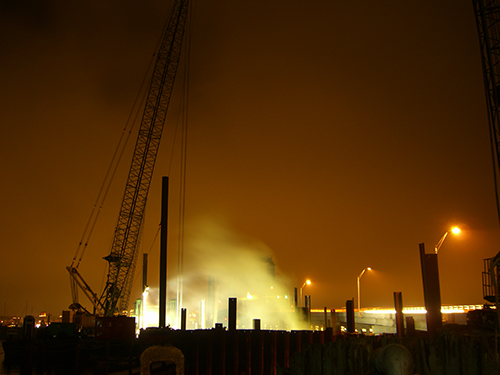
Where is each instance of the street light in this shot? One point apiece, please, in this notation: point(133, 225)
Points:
point(359, 297)
point(307, 282)
point(454, 230)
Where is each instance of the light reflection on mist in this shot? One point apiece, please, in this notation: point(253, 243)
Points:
point(218, 265)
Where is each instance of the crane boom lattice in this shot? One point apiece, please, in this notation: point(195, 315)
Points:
point(123, 256)
point(488, 26)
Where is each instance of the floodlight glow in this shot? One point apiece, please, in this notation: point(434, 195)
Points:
point(454, 230)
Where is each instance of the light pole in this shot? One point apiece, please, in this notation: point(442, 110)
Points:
point(359, 296)
point(454, 230)
point(307, 282)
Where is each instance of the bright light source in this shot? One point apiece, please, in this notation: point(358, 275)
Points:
point(308, 282)
point(454, 230)
point(369, 268)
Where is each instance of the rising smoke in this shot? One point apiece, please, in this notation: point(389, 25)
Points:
point(219, 264)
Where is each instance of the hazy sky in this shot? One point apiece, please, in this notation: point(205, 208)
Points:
point(331, 135)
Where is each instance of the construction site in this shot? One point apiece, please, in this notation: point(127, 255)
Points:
point(239, 316)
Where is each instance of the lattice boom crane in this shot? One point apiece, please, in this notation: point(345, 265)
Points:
point(488, 26)
point(123, 256)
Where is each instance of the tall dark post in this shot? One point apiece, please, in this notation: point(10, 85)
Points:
point(163, 253)
point(308, 309)
point(410, 326)
point(232, 314)
point(349, 312)
point(432, 293)
point(183, 319)
point(256, 324)
point(295, 298)
point(333, 321)
point(398, 306)
point(144, 271)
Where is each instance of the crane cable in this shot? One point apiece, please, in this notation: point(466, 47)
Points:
point(115, 161)
point(183, 114)
point(103, 191)
point(182, 182)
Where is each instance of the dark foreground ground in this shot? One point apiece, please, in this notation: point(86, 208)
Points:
point(218, 351)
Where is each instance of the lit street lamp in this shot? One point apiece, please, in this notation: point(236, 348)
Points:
point(359, 297)
point(454, 230)
point(307, 282)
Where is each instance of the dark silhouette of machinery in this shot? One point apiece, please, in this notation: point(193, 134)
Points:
point(487, 14)
point(488, 26)
point(491, 280)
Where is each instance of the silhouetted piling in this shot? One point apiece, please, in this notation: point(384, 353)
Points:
point(398, 306)
point(349, 306)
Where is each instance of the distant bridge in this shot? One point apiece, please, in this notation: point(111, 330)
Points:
point(382, 320)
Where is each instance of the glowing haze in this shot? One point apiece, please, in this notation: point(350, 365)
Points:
point(328, 135)
point(218, 265)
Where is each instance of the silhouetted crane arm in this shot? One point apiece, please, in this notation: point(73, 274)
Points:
point(123, 256)
point(488, 26)
point(77, 282)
